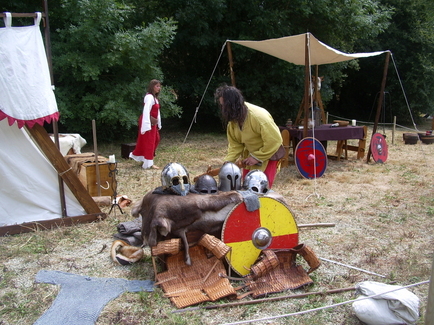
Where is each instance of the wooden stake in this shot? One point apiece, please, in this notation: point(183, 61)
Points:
point(394, 129)
point(256, 301)
point(210, 271)
point(307, 225)
point(95, 148)
point(429, 315)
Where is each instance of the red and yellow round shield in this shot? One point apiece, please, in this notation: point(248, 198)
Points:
point(272, 226)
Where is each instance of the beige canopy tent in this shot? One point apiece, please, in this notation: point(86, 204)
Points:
point(305, 49)
point(292, 49)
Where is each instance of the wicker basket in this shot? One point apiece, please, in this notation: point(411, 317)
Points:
point(268, 262)
point(214, 245)
point(170, 247)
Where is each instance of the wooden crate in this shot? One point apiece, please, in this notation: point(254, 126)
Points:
point(126, 148)
point(88, 177)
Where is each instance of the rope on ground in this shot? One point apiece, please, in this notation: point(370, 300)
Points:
point(324, 307)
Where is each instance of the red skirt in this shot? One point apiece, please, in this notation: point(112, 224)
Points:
point(147, 143)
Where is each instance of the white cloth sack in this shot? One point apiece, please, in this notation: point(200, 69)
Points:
point(393, 308)
point(25, 83)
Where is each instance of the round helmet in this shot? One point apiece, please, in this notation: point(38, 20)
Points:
point(174, 176)
point(206, 184)
point(256, 181)
point(229, 177)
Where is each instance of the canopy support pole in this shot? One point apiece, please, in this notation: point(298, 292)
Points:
point(380, 101)
point(231, 63)
point(306, 86)
point(316, 99)
point(317, 96)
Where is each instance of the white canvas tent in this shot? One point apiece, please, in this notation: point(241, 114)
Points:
point(305, 49)
point(29, 187)
point(31, 166)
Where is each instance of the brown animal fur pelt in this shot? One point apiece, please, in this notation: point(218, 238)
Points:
point(175, 214)
point(124, 254)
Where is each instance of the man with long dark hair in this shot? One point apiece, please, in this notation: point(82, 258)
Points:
point(253, 136)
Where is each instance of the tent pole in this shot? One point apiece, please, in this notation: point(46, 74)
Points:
point(54, 122)
point(48, 40)
point(231, 63)
point(380, 101)
point(59, 179)
point(47, 146)
point(306, 86)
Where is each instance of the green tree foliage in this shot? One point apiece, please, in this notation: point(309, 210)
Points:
point(104, 54)
point(410, 38)
point(106, 51)
point(103, 59)
point(204, 26)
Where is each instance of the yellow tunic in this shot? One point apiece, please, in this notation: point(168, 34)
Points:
point(260, 137)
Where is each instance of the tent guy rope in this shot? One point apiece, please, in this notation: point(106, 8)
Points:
point(324, 307)
point(203, 95)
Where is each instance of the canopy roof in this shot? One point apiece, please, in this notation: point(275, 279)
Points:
point(292, 49)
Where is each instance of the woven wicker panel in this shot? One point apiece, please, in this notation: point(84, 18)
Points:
point(188, 285)
point(285, 276)
point(192, 297)
point(220, 289)
point(171, 247)
point(215, 245)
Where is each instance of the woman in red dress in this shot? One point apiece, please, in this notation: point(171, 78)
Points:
point(149, 125)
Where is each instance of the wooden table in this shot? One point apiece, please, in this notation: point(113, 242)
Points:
point(326, 132)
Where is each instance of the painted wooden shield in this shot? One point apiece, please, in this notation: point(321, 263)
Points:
point(310, 158)
point(272, 226)
point(379, 148)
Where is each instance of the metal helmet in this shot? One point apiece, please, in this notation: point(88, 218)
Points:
point(175, 177)
point(206, 184)
point(256, 181)
point(229, 177)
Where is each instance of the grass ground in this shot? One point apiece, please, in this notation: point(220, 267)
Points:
point(383, 223)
